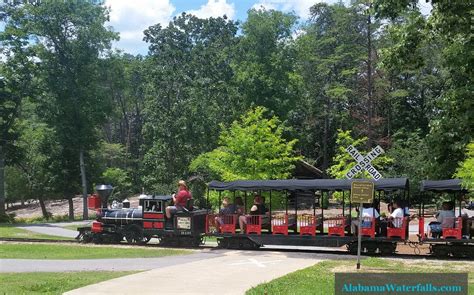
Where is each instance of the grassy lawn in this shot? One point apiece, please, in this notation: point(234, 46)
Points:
point(53, 282)
point(319, 279)
point(54, 251)
point(9, 231)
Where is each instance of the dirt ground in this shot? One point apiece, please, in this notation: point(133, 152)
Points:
point(56, 207)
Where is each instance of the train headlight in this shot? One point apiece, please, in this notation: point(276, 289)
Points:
point(183, 222)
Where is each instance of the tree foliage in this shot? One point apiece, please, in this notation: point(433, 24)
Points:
point(343, 161)
point(251, 148)
point(465, 171)
point(380, 70)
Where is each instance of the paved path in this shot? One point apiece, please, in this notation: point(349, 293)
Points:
point(51, 230)
point(232, 272)
point(120, 264)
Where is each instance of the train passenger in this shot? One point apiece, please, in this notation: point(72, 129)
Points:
point(239, 206)
point(227, 209)
point(179, 199)
point(258, 208)
point(397, 215)
point(367, 212)
point(444, 219)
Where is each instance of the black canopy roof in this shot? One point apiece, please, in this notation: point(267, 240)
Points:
point(447, 185)
point(385, 184)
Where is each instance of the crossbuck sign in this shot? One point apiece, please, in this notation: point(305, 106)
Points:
point(364, 163)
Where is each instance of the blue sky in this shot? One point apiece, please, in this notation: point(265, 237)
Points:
point(131, 17)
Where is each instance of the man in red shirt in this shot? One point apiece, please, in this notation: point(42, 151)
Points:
point(179, 199)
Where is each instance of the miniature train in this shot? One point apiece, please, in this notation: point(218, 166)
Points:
point(189, 227)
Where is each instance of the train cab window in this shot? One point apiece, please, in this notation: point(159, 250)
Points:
point(153, 206)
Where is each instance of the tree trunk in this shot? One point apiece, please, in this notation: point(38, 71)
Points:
point(326, 136)
point(43, 208)
point(84, 185)
point(71, 208)
point(2, 181)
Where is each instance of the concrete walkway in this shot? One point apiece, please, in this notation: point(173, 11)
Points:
point(118, 264)
point(233, 272)
point(51, 230)
point(55, 229)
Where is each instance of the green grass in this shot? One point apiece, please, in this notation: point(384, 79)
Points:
point(53, 282)
point(319, 279)
point(54, 251)
point(9, 231)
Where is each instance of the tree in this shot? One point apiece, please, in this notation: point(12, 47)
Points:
point(68, 38)
point(252, 148)
point(16, 84)
point(343, 161)
point(124, 77)
point(265, 63)
point(40, 161)
point(450, 127)
point(410, 155)
point(465, 171)
point(411, 63)
point(331, 56)
point(189, 92)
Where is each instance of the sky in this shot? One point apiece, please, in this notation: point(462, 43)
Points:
point(131, 18)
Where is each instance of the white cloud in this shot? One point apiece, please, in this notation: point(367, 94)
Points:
point(131, 18)
point(215, 8)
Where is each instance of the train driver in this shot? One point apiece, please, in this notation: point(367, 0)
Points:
point(179, 199)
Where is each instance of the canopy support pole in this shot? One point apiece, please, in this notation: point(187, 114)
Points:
point(343, 204)
point(314, 204)
point(245, 202)
point(270, 210)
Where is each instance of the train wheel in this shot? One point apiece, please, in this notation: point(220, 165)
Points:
point(134, 235)
point(352, 248)
point(387, 248)
point(440, 251)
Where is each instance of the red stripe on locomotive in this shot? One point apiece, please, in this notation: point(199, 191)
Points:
point(154, 215)
point(147, 224)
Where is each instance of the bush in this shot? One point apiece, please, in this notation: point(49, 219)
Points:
point(7, 218)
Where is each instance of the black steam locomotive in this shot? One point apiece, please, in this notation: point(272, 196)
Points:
point(139, 225)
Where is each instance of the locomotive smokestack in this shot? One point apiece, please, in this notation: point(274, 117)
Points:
point(104, 191)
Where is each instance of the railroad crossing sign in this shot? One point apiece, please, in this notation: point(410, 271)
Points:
point(364, 163)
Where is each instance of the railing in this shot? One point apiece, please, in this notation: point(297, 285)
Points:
point(227, 223)
point(336, 226)
point(456, 231)
point(367, 228)
point(307, 224)
point(396, 228)
point(254, 224)
point(280, 224)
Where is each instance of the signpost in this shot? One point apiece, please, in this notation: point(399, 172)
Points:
point(362, 191)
